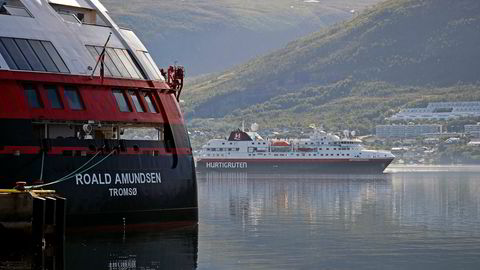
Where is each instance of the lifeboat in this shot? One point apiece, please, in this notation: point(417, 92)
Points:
point(280, 143)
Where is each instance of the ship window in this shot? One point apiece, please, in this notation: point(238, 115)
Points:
point(96, 55)
point(16, 54)
point(149, 64)
point(118, 63)
point(14, 8)
point(55, 56)
point(53, 96)
point(73, 98)
point(150, 104)
point(121, 101)
point(69, 17)
point(43, 56)
point(31, 57)
point(109, 63)
point(7, 57)
point(136, 101)
point(126, 60)
point(32, 96)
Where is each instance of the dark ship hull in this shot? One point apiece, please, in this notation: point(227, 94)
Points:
point(128, 183)
point(322, 166)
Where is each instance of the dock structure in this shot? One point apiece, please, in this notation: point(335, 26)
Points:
point(37, 216)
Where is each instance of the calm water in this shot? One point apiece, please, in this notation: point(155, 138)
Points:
point(420, 218)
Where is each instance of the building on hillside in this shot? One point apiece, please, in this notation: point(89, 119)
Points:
point(473, 130)
point(440, 111)
point(406, 131)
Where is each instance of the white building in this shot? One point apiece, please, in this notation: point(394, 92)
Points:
point(406, 131)
point(473, 130)
point(440, 110)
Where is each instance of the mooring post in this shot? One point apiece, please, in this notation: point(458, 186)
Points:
point(38, 224)
point(60, 232)
point(50, 238)
point(50, 211)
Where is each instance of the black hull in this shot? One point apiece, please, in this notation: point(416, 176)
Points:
point(296, 166)
point(115, 186)
point(172, 198)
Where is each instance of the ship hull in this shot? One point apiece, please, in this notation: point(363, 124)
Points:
point(111, 183)
point(321, 166)
point(122, 190)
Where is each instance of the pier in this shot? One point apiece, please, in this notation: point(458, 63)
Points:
point(34, 220)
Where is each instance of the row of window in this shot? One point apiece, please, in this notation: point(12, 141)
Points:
point(282, 155)
point(223, 149)
point(118, 62)
point(30, 54)
point(54, 100)
point(142, 101)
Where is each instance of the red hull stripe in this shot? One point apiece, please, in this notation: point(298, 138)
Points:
point(60, 150)
point(295, 160)
point(97, 97)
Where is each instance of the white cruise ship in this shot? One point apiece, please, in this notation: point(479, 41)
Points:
point(322, 152)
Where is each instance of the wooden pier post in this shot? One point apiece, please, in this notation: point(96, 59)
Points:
point(38, 224)
point(60, 232)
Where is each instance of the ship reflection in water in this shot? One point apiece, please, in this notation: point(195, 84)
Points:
point(173, 249)
point(426, 219)
point(420, 218)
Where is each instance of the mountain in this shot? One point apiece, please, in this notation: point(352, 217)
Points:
point(212, 35)
point(400, 53)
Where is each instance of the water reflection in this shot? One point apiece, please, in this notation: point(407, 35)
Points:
point(173, 249)
point(407, 219)
point(338, 222)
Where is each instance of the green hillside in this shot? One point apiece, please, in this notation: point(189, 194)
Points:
point(397, 54)
point(212, 35)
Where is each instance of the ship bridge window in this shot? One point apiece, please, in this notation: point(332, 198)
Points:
point(148, 99)
point(118, 62)
point(14, 8)
point(136, 101)
point(53, 97)
point(32, 96)
point(149, 64)
point(35, 55)
point(121, 100)
point(80, 13)
point(73, 98)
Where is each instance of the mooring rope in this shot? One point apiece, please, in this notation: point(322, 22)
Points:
point(72, 174)
point(43, 163)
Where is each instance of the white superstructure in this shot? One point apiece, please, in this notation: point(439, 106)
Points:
point(320, 145)
point(76, 30)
